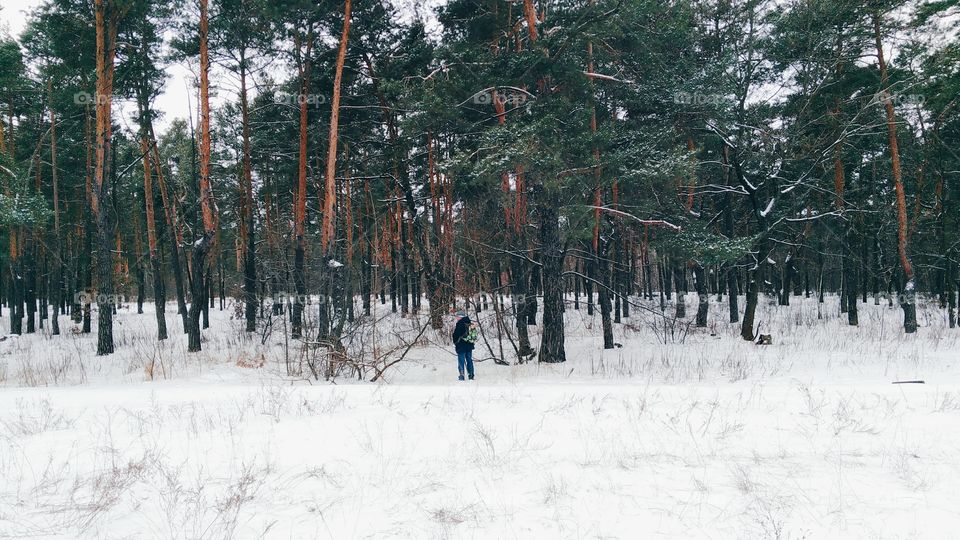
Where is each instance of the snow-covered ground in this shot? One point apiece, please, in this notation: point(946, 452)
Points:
point(703, 436)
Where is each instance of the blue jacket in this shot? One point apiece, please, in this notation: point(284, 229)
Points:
point(463, 326)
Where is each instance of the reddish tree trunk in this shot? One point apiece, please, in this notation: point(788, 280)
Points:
point(908, 301)
point(106, 33)
point(207, 206)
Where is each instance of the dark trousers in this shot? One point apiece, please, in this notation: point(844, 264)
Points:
point(465, 357)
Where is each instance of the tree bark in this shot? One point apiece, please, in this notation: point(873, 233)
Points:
point(159, 294)
point(728, 226)
point(300, 202)
point(602, 265)
point(330, 268)
point(518, 288)
point(106, 32)
point(703, 297)
point(250, 255)
point(57, 270)
point(908, 299)
point(172, 221)
point(679, 283)
point(13, 294)
point(330, 192)
point(146, 145)
point(552, 344)
point(753, 289)
point(202, 246)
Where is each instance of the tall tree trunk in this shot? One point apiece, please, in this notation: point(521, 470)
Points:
point(330, 183)
point(703, 297)
point(753, 290)
point(57, 270)
point(4, 295)
point(88, 262)
point(106, 31)
point(786, 282)
point(728, 229)
point(14, 299)
point(250, 256)
point(349, 232)
point(588, 286)
point(435, 292)
point(43, 288)
point(203, 246)
point(141, 277)
point(300, 203)
point(552, 343)
point(754, 274)
point(518, 289)
point(848, 295)
point(602, 265)
point(947, 284)
point(146, 145)
point(208, 299)
point(851, 279)
point(733, 293)
point(172, 224)
point(908, 299)
point(369, 225)
point(159, 294)
point(703, 300)
point(679, 282)
point(601, 248)
point(532, 291)
point(332, 270)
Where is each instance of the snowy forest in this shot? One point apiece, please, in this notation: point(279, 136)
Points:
point(670, 224)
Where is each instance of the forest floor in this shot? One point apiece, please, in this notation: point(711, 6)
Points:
point(698, 435)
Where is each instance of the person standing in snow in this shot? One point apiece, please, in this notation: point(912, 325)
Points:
point(464, 337)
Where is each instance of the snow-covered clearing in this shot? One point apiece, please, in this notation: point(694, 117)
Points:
point(708, 438)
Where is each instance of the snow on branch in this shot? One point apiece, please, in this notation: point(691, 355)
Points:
point(603, 77)
point(769, 208)
point(726, 141)
point(651, 222)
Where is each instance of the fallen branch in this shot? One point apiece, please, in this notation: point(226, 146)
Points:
point(410, 345)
